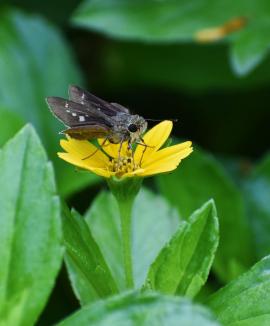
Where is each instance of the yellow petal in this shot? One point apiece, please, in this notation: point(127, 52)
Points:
point(157, 157)
point(166, 165)
point(83, 164)
point(80, 149)
point(166, 159)
point(113, 149)
point(154, 138)
point(103, 173)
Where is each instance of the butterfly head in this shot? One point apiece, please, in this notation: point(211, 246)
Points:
point(136, 127)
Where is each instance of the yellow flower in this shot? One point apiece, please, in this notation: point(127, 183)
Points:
point(145, 161)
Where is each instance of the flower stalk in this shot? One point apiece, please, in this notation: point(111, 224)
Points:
point(124, 171)
point(125, 191)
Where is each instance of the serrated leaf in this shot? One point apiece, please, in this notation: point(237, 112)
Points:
point(88, 271)
point(198, 179)
point(36, 62)
point(245, 301)
point(257, 194)
point(183, 265)
point(154, 222)
point(136, 309)
point(30, 231)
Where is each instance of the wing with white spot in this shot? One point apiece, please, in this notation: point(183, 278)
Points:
point(74, 114)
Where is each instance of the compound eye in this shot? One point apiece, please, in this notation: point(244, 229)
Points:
point(132, 127)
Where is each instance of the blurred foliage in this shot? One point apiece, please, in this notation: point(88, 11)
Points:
point(174, 21)
point(59, 14)
point(257, 194)
point(200, 178)
point(12, 124)
point(35, 62)
point(146, 55)
point(189, 67)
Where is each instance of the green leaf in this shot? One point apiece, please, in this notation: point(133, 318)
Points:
point(88, 271)
point(257, 194)
point(180, 21)
point(30, 230)
point(11, 124)
point(47, 8)
point(198, 179)
point(153, 221)
point(245, 301)
point(137, 309)
point(154, 21)
point(183, 265)
point(35, 62)
point(251, 45)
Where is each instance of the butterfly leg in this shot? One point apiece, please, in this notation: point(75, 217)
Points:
point(132, 152)
point(145, 147)
point(103, 143)
point(119, 153)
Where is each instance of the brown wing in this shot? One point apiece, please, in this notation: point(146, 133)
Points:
point(87, 132)
point(74, 114)
point(81, 96)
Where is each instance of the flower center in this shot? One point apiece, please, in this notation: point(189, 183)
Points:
point(122, 165)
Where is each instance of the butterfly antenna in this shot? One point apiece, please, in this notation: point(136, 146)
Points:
point(173, 120)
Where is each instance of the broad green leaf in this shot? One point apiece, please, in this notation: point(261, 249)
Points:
point(180, 21)
point(155, 21)
point(47, 8)
point(153, 221)
point(35, 62)
point(13, 309)
point(251, 45)
point(198, 179)
point(257, 194)
point(245, 301)
point(88, 271)
point(30, 230)
point(183, 265)
point(142, 309)
point(11, 123)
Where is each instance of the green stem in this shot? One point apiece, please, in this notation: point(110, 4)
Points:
point(125, 209)
point(125, 191)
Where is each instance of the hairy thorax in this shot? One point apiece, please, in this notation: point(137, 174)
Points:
point(120, 130)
